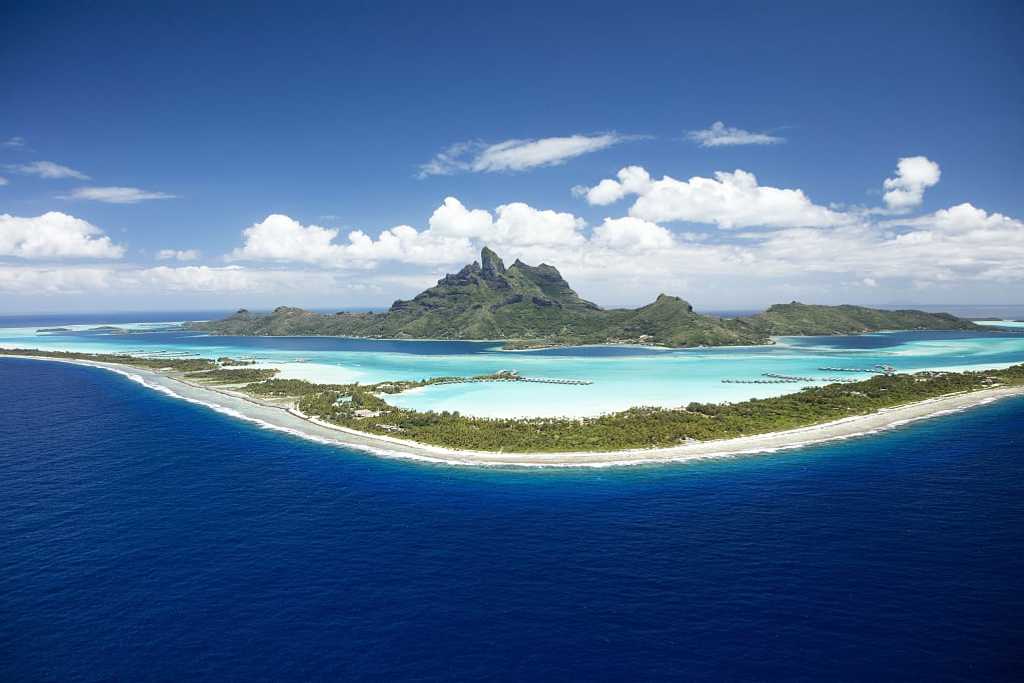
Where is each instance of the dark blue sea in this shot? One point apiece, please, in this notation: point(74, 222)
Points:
point(145, 538)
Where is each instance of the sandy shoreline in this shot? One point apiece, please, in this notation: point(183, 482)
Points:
point(291, 421)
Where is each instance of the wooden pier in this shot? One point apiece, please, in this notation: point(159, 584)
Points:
point(775, 378)
point(517, 378)
point(874, 369)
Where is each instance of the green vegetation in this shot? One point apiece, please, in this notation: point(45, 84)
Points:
point(362, 407)
point(199, 369)
point(533, 306)
point(294, 388)
point(233, 375)
point(231, 362)
point(802, 319)
point(642, 427)
point(179, 364)
point(297, 387)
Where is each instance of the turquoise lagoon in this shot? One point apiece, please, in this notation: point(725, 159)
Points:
point(621, 377)
point(1009, 324)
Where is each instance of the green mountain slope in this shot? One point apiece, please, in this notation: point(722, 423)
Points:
point(535, 306)
point(805, 319)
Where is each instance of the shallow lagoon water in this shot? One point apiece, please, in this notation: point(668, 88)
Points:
point(1012, 324)
point(622, 376)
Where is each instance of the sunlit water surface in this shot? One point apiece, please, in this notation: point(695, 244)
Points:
point(621, 377)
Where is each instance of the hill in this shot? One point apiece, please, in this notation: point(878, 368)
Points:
point(531, 306)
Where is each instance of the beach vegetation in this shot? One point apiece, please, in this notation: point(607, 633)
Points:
point(351, 406)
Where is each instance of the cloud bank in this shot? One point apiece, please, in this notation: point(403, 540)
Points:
point(280, 238)
point(739, 236)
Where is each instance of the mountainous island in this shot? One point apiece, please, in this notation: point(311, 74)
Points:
point(533, 306)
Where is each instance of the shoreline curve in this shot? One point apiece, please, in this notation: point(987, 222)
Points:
point(291, 421)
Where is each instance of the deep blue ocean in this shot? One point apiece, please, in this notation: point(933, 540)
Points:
point(145, 538)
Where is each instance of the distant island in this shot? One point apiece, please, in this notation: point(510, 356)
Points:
point(533, 307)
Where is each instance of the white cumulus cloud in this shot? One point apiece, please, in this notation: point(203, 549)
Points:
point(719, 135)
point(913, 176)
point(964, 218)
point(513, 224)
point(54, 235)
point(454, 235)
point(406, 244)
point(729, 200)
point(631, 180)
point(519, 224)
point(455, 220)
point(515, 155)
point(282, 238)
point(632, 234)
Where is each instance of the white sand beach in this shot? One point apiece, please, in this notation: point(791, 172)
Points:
point(289, 420)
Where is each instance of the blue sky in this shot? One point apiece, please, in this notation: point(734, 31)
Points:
point(209, 120)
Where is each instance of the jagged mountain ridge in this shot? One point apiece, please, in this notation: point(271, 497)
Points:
point(535, 306)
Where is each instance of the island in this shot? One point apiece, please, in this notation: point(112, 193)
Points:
point(359, 416)
point(534, 307)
